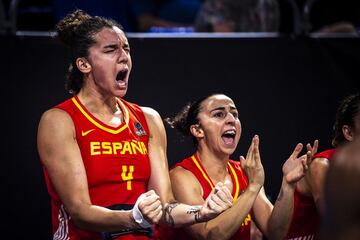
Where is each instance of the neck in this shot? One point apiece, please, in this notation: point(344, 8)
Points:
point(98, 104)
point(215, 165)
point(105, 109)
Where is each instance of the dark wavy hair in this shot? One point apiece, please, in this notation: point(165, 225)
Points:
point(188, 116)
point(77, 31)
point(346, 113)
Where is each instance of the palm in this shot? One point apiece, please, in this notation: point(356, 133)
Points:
point(293, 169)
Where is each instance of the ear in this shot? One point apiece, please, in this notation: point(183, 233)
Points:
point(83, 65)
point(196, 131)
point(348, 134)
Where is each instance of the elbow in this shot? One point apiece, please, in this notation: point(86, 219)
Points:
point(78, 216)
point(212, 234)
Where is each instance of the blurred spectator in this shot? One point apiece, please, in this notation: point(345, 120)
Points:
point(238, 16)
point(119, 10)
point(165, 13)
point(320, 16)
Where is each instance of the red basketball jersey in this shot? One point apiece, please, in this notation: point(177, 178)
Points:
point(305, 221)
point(116, 162)
point(240, 183)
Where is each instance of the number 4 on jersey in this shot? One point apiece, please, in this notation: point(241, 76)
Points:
point(127, 175)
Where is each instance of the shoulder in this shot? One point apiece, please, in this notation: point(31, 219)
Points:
point(55, 116)
point(55, 120)
point(150, 112)
point(184, 180)
point(153, 118)
point(179, 172)
point(319, 164)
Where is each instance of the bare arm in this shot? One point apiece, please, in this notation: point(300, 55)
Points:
point(315, 177)
point(175, 214)
point(294, 169)
point(187, 189)
point(60, 155)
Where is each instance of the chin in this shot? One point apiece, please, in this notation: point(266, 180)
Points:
point(229, 151)
point(121, 93)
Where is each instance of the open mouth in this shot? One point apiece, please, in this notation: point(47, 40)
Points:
point(121, 75)
point(229, 137)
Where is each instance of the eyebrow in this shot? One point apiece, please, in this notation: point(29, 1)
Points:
point(223, 108)
point(113, 46)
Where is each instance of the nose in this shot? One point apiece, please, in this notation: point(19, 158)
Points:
point(123, 56)
point(230, 119)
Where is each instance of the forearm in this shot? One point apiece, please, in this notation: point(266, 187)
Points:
point(228, 223)
point(281, 215)
point(179, 215)
point(96, 218)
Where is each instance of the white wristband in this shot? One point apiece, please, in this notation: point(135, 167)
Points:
point(138, 217)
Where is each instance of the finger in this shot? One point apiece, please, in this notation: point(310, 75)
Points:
point(242, 162)
point(227, 184)
point(256, 149)
point(251, 149)
point(209, 196)
point(224, 197)
point(309, 158)
point(148, 201)
point(305, 161)
point(315, 146)
point(225, 193)
point(219, 185)
point(149, 193)
point(150, 209)
point(158, 216)
point(296, 151)
point(152, 215)
point(213, 206)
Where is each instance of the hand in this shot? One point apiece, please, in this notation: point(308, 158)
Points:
point(218, 201)
point(150, 207)
point(295, 168)
point(252, 164)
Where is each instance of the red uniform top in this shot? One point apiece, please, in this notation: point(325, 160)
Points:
point(240, 184)
point(305, 221)
point(117, 167)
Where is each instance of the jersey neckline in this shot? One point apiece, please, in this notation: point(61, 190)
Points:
point(97, 122)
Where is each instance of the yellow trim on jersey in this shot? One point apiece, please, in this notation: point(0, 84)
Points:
point(98, 124)
point(237, 187)
point(202, 171)
point(126, 115)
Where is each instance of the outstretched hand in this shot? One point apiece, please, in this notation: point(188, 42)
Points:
point(295, 167)
point(252, 164)
point(218, 201)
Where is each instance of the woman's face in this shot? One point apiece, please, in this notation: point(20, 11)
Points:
point(220, 124)
point(110, 62)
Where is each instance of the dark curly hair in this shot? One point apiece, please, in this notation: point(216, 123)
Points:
point(346, 113)
point(77, 31)
point(188, 116)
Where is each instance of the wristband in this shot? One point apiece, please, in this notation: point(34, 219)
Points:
point(137, 215)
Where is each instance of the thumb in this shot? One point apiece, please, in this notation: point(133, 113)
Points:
point(227, 184)
point(213, 191)
point(242, 162)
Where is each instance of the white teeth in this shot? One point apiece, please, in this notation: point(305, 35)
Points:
point(230, 132)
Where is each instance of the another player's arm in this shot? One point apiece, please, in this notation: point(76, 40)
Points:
point(175, 214)
point(315, 178)
point(294, 169)
point(60, 155)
